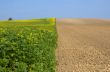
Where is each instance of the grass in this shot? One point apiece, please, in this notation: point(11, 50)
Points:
point(28, 45)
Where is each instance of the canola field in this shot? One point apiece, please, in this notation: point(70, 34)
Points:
point(28, 45)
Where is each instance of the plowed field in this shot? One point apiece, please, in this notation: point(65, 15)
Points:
point(83, 45)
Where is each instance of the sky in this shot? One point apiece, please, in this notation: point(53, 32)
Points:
point(31, 9)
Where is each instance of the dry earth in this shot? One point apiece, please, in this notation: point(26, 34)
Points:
point(83, 45)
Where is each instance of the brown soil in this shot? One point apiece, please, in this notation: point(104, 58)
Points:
point(83, 45)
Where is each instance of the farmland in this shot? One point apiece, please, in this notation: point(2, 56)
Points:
point(28, 45)
point(83, 45)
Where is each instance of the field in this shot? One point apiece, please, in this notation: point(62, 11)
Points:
point(83, 45)
point(28, 45)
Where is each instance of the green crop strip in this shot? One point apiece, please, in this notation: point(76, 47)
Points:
point(28, 45)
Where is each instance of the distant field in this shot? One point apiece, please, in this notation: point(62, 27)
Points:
point(84, 21)
point(28, 45)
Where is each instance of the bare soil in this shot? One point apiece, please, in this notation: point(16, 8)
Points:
point(83, 45)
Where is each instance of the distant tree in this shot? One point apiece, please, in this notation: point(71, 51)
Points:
point(10, 19)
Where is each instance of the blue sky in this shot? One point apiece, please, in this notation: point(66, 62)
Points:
point(28, 9)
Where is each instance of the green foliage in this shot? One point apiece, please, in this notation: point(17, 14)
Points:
point(27, 48)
